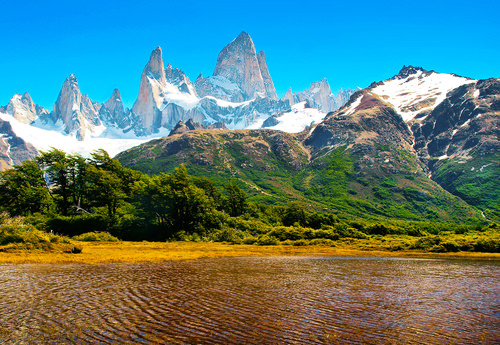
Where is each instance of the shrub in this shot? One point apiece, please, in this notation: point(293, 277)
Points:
point(301, 243)
point(96, 236)
point(249, 239)
point(227, 234)
point(16, 234)
point(488, 245)
point(322, 242)
point(266, 240)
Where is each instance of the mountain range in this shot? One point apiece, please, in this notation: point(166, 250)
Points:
point(421, 144)
point(240, 94)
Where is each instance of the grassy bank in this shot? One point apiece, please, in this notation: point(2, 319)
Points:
point(108, 252)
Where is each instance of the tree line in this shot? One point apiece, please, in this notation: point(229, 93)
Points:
point(72, 195)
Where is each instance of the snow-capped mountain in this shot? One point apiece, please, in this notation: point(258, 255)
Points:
point(23, 109)
point(414, 92)
point(240, 94)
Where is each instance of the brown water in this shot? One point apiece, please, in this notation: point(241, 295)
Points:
point(280, 300)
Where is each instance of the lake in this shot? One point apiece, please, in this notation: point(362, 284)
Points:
point(271, 300)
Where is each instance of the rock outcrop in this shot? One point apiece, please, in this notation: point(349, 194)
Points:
point(190, 125)
point(77, 112)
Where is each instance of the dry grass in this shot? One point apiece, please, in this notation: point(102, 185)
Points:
point(106, 252)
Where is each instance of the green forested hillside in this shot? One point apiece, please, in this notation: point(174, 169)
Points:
point(367, 181)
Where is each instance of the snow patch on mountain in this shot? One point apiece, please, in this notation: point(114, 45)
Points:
point(354, 105)
point(418, 92)
point(298, 118)
point(5, 140)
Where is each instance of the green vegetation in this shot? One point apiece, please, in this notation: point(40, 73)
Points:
point(96, 236)
point(97, 199)
point(475, 180)
point(16, 234)
point(378, 181)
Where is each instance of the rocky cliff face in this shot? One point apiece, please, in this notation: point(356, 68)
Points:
point(177, 77)
point(268, 81)
point(113, 114)
point(240, 74)
point(77, 112)
point(238, 63)
point(458, 140)
point(466, 120)
point(149, 101)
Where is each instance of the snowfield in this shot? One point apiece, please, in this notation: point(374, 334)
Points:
point(298, 118)
point(407, 92)
point(45, 139)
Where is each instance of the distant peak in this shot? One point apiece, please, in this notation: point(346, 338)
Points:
point(200, 77)
point(169, 66)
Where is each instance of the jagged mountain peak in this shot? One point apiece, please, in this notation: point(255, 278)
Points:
point(415, 92)
point(244, 38)
point(155, 68)
point(27, 97)
point(234, 53)
point(23, 109)
point(116, 94)
point(238, 64)
point(76, 111)
point(268, 81)
point(409, 70)
point(71, 81)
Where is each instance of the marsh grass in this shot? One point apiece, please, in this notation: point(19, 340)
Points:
point(131, 252)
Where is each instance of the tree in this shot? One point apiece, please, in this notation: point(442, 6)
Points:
point(235, 200)
point(176, 202)
point(105, 189)
point(294, 213)
point(55, 163)
point(23, 189)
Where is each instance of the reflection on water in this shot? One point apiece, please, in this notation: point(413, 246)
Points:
point(291, 300)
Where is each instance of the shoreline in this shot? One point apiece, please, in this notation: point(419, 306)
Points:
point(134, 252)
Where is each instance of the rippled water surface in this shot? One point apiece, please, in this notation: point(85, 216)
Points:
point(292, 300)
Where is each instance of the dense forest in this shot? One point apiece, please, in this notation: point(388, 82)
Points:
point(67, 194)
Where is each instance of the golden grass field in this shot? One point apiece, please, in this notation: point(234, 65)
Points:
point(107, 252)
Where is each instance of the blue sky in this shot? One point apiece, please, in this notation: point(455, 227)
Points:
point(351, 43)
